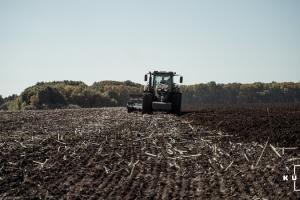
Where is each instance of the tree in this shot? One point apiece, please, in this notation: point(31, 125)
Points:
point(1, 100)
point(51, 97)
point(34, 100)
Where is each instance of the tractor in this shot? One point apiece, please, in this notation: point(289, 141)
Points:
point(160, 94)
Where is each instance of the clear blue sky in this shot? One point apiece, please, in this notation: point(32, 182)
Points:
point(222, 41)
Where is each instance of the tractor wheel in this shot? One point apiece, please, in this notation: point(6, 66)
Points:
point(176, 103)
point(147, 103)
point(129, 110)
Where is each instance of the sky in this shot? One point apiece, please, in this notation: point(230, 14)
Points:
point(214, 40)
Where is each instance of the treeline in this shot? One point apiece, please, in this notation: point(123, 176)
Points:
point(7, 102)
point(75, 94)
point(72, 94)
point(237, 93)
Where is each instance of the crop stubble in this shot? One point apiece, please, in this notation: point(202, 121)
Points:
point(107, 153)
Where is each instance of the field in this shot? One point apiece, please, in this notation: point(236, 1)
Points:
point(215, 153)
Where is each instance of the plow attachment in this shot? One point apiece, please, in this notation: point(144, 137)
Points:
point(135, 103)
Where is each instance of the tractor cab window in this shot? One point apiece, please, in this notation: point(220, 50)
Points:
point(162, 79)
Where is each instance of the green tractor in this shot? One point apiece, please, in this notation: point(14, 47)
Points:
point(161, 93)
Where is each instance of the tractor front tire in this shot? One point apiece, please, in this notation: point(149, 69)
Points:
point(147, 103)
point(176, 103)
point(129, 109)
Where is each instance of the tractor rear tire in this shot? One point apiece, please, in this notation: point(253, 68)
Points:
point(176, 103)
point(147, 103)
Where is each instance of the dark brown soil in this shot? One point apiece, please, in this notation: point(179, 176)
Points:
point(279, 123)
point(109, 154)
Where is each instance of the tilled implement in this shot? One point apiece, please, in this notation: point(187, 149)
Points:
point(161, 93)
point(135, 103)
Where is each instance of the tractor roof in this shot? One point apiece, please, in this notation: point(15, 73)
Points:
point(163, 72)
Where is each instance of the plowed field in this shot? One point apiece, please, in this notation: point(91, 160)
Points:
point(216, 153)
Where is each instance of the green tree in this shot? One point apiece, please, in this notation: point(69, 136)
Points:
point(1, 100)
